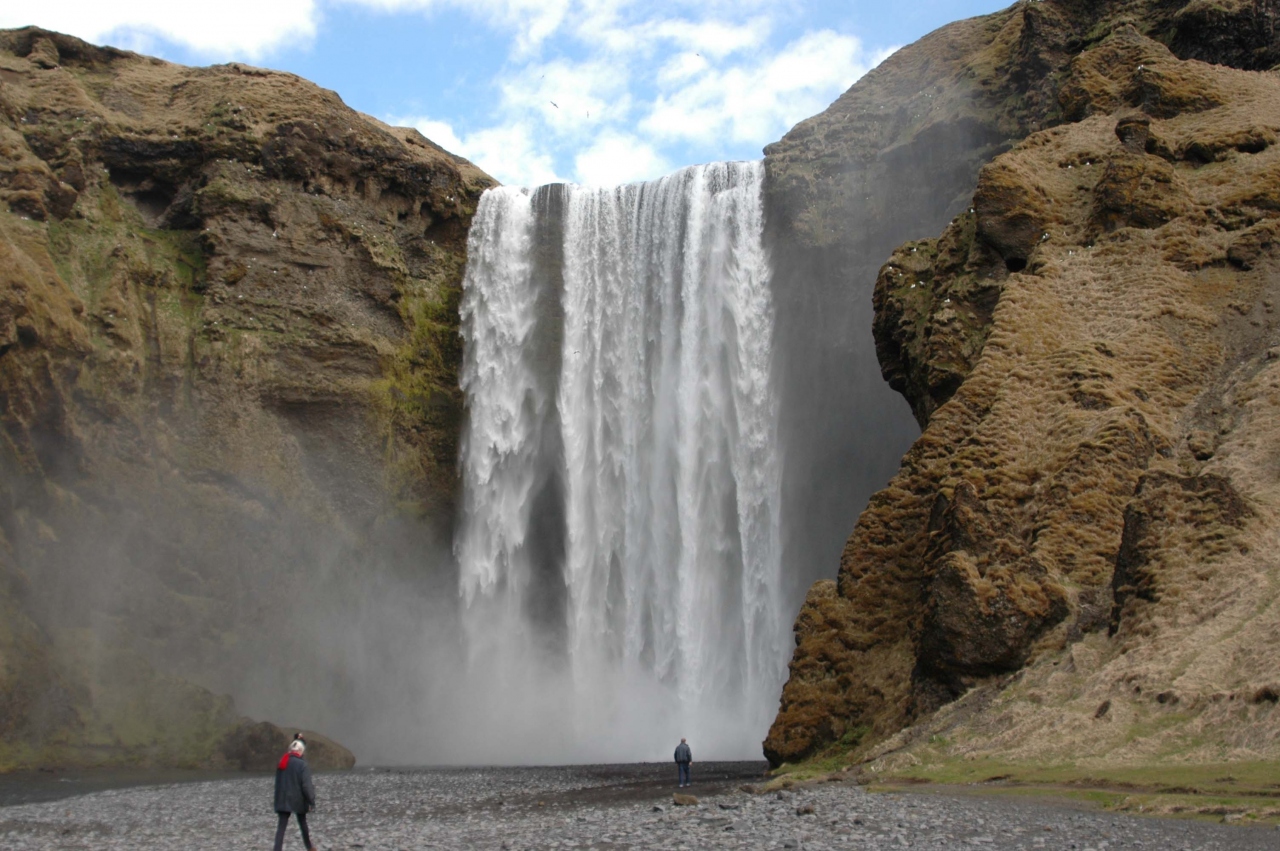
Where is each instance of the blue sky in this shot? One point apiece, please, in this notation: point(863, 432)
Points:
point(533, 91)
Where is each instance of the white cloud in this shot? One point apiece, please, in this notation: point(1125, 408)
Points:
point(440, 132)
point(511, 152)
point(681, 67)
point(714, 38)
point(618, 158)
point(254, 28)
point(532, 21)
point(569, 98)
point(512, 155)
point(700, 88)
point(607, 31)
point(756, 101)
point(248, 28)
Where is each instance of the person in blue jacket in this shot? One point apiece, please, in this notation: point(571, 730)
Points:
point(683, 758)
point(295, 793)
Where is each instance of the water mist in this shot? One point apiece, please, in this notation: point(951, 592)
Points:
point(619, 547)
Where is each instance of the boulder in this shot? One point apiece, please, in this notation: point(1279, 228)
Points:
point(257, 746)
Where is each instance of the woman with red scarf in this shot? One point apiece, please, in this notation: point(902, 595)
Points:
point(294, 792)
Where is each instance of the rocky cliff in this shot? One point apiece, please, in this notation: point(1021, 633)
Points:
point(228, 353)
point(1074, 559)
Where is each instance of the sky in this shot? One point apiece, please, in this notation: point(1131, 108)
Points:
point(597, 92)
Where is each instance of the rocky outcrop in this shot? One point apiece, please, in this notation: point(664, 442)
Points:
point(893, 159)
point(257, 747)
point(1086, 348)
point(228, 391)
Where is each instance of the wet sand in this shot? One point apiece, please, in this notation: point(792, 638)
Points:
point(577, 807)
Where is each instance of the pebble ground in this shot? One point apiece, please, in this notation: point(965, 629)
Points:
point(593, 807)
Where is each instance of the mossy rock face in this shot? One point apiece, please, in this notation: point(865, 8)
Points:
point(228, 360)
point(1089, 348)
point(933, 305)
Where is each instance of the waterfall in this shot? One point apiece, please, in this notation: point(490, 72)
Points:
point(619, 544)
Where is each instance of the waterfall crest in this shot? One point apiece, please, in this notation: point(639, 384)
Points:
point(619, 544)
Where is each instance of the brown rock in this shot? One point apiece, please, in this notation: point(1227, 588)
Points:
point(893, 159)
point(1251, 243)
point(1138, 190)
point(1134, 131)
point(977, 625)
point(1017, 521)
point(839, 647)
point(684, 800)
point(228, 364)
point(257, 747)
point(1012, 217)
point(1201, 444)
point(933, 302)
point(1154, 525)
point(44, 53)
point(1234, 32)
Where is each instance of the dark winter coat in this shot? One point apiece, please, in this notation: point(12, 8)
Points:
point(294, 791)
point(683, 754)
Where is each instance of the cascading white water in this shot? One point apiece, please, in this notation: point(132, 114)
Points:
point(619, 545)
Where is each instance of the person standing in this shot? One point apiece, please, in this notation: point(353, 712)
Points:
point(295, 794)
point(684, 757)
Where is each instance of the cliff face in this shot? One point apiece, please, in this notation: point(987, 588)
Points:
point(895, 158)
point(1077, 544)
point(228, 353)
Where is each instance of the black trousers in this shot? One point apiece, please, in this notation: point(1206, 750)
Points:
point(302, 825)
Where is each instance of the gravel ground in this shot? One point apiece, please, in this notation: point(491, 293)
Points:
point(592, 807)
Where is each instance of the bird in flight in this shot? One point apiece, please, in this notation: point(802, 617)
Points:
point(553, 103)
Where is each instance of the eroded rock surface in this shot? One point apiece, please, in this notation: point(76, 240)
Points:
point(228, 354)
point(1087, 347)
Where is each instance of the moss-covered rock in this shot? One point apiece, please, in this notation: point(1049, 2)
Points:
point(257, 747)
point(1086, 349)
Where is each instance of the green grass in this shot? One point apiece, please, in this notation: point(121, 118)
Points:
point(1249, 790)
point(1260, 777)
point(88, 252)
point(1245, 791)
point(417, 401)
point(835, 757)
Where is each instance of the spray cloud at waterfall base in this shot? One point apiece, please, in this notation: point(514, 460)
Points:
point(619, 546)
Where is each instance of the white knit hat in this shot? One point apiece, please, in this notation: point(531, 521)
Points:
point(298, 746)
